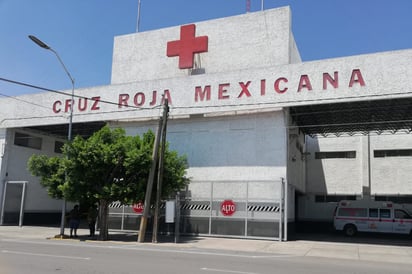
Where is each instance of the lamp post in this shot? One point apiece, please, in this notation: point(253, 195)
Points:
point(69, 134)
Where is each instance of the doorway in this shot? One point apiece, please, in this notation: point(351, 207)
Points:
point(12, 209)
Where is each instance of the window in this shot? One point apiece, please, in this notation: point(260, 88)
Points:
point(406, 199)
point(58, 147)
point(392, 153)
point(400, 214)
point(385, 213)
point(335, 154)
point(373, 212)
point(352, 212)
point(26, 140)
point(333, 198)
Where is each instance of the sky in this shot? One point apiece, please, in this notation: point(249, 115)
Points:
point(82, 32)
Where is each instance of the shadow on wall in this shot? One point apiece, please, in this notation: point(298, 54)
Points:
point(313, 212)
point(315, 176)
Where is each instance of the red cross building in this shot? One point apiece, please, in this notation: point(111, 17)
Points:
point(187, 46)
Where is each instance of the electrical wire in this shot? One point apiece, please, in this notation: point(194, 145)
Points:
point(24, 101)
point(74, 95)
point(134, 108)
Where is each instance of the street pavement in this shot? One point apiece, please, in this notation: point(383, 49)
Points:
point(389, 249)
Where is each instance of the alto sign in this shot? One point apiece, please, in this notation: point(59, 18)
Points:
point(228, 207)
point(138, 207)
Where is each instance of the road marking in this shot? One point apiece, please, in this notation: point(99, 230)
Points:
point(44, 255)
point(225, 271)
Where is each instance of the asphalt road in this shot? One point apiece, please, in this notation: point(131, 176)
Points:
point(50, 256)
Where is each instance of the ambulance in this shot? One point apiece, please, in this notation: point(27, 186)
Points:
point(371, 216)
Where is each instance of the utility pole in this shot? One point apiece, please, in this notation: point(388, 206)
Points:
point(138, 16)
point(146, 210)
point(160, 174)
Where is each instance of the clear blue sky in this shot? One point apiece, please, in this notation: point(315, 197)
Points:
point(82, 32)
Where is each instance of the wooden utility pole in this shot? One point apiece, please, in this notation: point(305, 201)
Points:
point(146, 210)
point(160, 174)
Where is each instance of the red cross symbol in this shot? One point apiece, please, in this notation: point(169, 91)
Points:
point(187, 46)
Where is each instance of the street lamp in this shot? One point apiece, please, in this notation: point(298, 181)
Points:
point(69, 135)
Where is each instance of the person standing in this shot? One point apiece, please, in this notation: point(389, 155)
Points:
point(91, 220)
point(74, 221)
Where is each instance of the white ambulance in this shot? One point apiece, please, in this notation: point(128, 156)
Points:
point(371, 216)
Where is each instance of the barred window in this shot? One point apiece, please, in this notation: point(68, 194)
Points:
point(27, 140)
point(335, 154)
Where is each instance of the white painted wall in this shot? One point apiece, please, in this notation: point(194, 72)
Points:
point(296, 169)
point(334, 176)
point(252, 146)
point(247, 41)
point(228, 148)
point(37, 198)
point(293, 51)
point(391, 175)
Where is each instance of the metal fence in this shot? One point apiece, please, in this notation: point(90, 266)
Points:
point(251, 209)
point(247, 209)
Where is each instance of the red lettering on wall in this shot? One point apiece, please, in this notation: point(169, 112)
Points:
point(223, 90)
point(80, 106)
point(245, 89)
point(68, 105)
point(123, 100)
point(56, 106)
point(201, 94)
point(96, 101)
point(154, 96)
point(166, 94)
point(304, 82)
point(328, 79)
point(356, 77)
point(276, 85)
point(139, 99)
point(262, 87)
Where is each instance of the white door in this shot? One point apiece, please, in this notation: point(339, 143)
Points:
point(402, 222)
point(385, 222)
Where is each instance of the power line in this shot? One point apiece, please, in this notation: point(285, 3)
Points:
point(69, 94)
point(133, 108)
point(24, 101)
point(274, 104)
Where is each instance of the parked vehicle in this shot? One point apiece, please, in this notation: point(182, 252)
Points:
point(372, 216)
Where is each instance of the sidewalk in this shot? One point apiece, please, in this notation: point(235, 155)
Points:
point(308, 248)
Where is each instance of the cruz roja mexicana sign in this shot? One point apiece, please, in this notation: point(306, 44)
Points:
point(220, 92)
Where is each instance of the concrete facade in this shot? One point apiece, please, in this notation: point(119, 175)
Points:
point(229, 114)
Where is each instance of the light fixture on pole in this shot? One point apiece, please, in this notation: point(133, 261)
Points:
point(69, 134)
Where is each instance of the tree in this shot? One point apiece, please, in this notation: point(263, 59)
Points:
point(109, 166)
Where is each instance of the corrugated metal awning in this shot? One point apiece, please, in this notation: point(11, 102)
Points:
point(363, 117)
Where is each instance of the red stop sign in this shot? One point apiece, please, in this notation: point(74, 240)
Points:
point(138, 208)
point(228, 207)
